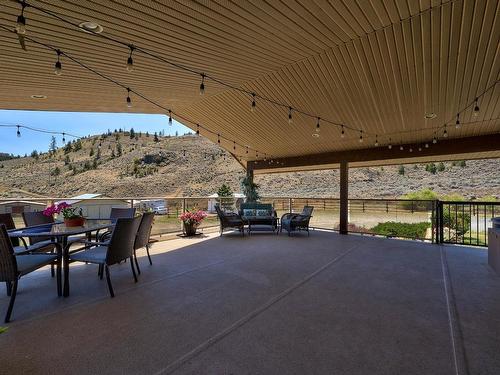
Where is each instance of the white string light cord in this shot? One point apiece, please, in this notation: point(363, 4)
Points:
point(253, 95)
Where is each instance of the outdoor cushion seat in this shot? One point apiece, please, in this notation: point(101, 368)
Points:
point(229, 220)
point(296, 222)
point(93, 255)
point(30, 263)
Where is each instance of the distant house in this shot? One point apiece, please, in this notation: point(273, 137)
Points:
point(150, 204)
point(213, 200)
point(93, 208)
point(18, 207)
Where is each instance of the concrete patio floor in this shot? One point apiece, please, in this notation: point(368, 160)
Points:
point(265, 304)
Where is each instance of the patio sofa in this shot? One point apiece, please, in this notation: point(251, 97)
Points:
point(259, 216)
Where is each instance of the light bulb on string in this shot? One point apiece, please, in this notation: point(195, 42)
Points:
point(129, 101)
point(289, 115)
point(457, 122)
point(58, 65)
point(411, 150)
point(130, 61)
point(169, 117)
point(254, 104)
point(434, 140)
point(376, 140)
point(318, 126)
point(197, 129)
point(401, 148)
point(21, 21)
point(426, 145)
point(234, 146)
point(202, 84)
point(63, 138)
point(246, 152)
point(475, 112)
point(419, 148)
point(218, 138)
point(445, 132)
point(361, 136)
point(18, 131)
point(342, 133)
point(390, 144)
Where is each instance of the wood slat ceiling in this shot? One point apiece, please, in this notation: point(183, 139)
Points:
point(375, 65)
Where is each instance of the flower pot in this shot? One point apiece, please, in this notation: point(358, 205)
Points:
point(190, 229)
point(75, 222)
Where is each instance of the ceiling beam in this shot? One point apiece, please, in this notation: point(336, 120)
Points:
point(482, 143)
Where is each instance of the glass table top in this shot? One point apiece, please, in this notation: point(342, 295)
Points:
point(60, 229)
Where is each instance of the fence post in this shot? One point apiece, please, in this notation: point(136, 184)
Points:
point(290, 205)
point(433, 219)
point(183, 210)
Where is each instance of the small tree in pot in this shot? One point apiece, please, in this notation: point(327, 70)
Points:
point(249, 188)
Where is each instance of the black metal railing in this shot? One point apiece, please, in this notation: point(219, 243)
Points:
point(465, 223)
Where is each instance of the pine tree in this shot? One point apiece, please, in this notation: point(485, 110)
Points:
point(119, 149)
point(53, 145)
point(132, 133)
point(156, 138)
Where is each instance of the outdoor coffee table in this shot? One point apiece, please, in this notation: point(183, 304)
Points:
point(60, 234)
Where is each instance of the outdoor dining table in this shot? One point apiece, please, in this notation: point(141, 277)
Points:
point(60, 233)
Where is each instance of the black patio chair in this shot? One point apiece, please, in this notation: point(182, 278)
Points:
point(230, 220)
point(117, 249)
point(116, 213)
point(142, 239)
point(13, 267)
point(297, 222)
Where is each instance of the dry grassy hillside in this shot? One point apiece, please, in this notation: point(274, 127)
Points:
point(149, 168)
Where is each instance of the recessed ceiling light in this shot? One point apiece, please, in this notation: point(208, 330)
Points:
point(39, 97)
point(430, 115)
point(91, 27)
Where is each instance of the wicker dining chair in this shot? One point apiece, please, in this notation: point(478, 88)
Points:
point(119, 248)
point(142, 239)
point(13, 267)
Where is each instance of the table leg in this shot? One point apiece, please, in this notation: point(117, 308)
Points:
point(65, 254)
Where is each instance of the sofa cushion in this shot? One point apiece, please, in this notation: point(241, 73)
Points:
point(248, 212)
point(262, 212)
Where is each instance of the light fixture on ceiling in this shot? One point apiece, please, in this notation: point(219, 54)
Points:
point(129, 101)
point(342, 133)
point(130, 61)
point(430, 116)
point(376, 140)
point(38, 97)
point(254, 104)
point(289, 115)
point(315, 135)
point(317, 126)
point(21, 21)
point(390, 144)
point(475, 113)
point(202, 84)
point(18, 131)
point(58, 65)
point(169, 117)
point(91, 27)
point(457, 123)
point(361, 136)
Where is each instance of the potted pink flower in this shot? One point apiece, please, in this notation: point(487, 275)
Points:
point(191, 220)
point(73, 216)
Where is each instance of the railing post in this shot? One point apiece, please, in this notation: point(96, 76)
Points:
point(183, 210)
point(290, 205)
point(344, 198)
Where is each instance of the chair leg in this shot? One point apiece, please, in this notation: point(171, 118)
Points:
point(108, 279)
point(52, 273)
point(149, 256)
point(133, 269)
point(137, 263)
point(12, 300)
point(100, 271)
point(8, 284)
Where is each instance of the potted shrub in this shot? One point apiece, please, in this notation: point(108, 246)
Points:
point(73, 216)
point(191, 220)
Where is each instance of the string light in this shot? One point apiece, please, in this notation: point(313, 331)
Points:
point(361, 136)
point(411, 150)
point(63, 138)
point(18, 132)
point(401, 148)
point(317, 126)
point(234, 145)
point(202, 84)
point(342, 133)
point(197, 129)
point(246, 150)
point(218, 138)
point(434, 140)
point(426, 145)
point(169, 117)
point(457, 123)
point(419, 148)
point(445, 132)
point(289, 115)
point(21, 21)
point(390, 144)
point(58, 65)
point(376, 140)
point(129, 101)
point(475, 112)
point(130, 61)
point(254, 104)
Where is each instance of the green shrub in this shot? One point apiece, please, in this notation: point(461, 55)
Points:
point(396, 229)
point(425, 194)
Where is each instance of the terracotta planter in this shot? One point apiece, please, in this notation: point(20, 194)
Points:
point(75, 222)
point(190, 229)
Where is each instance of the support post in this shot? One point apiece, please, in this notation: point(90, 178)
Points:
point(344, 197)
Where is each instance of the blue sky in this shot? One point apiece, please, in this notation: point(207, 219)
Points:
point(77, 123)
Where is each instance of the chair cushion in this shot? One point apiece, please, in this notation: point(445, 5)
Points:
point(94, 255)
point(31, 262)
point(20, 250)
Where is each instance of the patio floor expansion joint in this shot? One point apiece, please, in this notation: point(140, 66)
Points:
point(456, 335)
point(247, 318)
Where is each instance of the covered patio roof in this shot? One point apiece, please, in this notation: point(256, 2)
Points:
point(266, 304)
point(377, 68)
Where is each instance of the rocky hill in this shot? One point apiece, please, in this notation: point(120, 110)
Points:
point(119, 165)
